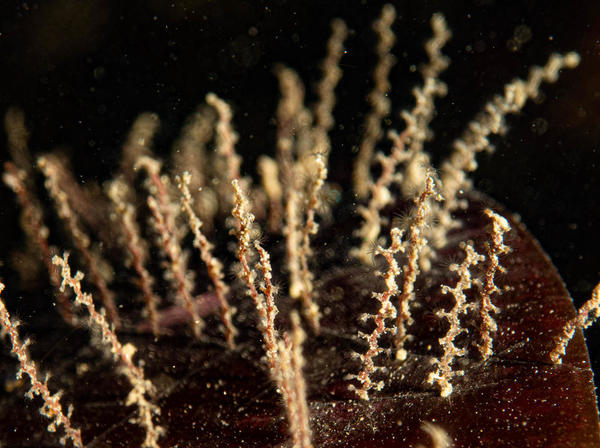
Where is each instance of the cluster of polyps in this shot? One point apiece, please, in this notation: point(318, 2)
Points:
point(288, 201)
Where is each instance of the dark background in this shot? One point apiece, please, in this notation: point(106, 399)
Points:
point(83, 69)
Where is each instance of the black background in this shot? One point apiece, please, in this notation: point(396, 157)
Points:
point(83, 69)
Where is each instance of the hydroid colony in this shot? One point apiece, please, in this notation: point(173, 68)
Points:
point(384, 338)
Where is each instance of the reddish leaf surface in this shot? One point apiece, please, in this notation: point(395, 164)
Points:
point(213, 397)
